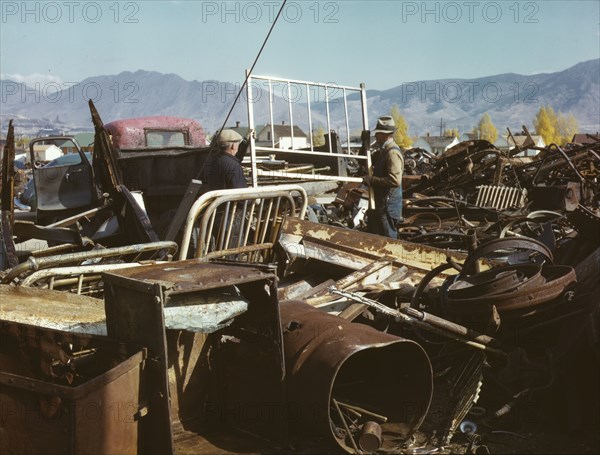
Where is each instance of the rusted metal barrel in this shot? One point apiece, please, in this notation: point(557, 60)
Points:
point(375, 373)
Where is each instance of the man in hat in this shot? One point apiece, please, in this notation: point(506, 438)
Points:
point(386, 181)
point(225, 170)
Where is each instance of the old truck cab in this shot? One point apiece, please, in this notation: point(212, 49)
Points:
point(156, 132)
point(158, 157)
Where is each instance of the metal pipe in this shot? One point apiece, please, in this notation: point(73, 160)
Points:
point(310, 127)
point(427, 322)
point(301, 152)
point(360, 411)
point(328, 119)
point(67, 271)
point(347, 122)
point(297, 81)
point(33, 264)
point(271, 114)
point(251, 126)
point(293, 175)
point(289, 100)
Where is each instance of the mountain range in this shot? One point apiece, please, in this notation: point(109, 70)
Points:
point(510, 99)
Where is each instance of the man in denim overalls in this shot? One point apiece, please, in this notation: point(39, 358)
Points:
point(386, 181)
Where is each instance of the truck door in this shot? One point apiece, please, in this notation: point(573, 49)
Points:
point(65, 184)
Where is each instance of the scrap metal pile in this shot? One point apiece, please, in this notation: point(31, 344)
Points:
point(476, 330)
point(523, 295)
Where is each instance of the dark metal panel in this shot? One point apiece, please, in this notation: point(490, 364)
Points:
point(137, 318)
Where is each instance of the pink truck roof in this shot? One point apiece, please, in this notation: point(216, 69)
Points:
point(132, 133)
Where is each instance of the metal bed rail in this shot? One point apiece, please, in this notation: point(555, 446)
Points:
point(240, 223)
point(306, 87)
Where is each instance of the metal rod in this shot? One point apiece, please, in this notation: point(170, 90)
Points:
point(230, 224)
point(347, 122)
point(310, 127)
point(79, 283)
point(335, 403)
point(358, 409)
point(328, 118)
point(427, 322)
point(291, 113)
point(271, 114)
point(297, 81)
point(301, 152)
point(293, 175)
point(251, 127)
point(37, 263)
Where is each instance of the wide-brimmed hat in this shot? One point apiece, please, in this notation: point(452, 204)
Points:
point(227, 136)
point(386, 125)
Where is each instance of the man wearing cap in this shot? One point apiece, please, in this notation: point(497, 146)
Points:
point(225, 170)
point(386, 181)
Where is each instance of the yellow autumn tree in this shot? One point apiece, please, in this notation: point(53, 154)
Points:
point(545, 124)
point(485, 129)
point(401, 137)
point(567, 127)
point(555, 127)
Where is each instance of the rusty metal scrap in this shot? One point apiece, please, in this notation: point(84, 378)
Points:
point(473, 164)
point(523, 295)
point(330, 359)
point(491, 247)
point(356, 249)
point(66, 393)
point(7, 201)
point(241, 364)
point(464, 166)
point(131, 253)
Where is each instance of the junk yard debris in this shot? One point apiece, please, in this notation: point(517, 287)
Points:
point(160, 317)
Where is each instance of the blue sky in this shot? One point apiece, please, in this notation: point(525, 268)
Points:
point(381, 43)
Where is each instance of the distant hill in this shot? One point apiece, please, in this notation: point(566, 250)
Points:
point(510, 99)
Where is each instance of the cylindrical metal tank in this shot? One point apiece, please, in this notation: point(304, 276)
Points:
point(328, 358)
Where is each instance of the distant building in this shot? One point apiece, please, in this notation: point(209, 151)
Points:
point(507, 143)
point(464, 137)
point(582, 138)
point(281, 137)
point(243, 130)
point(435, 144)
point(355, 144)
point(85, 141)
point(47, 152)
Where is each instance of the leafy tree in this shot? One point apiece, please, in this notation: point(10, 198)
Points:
point(555, 128)
point(22, 141)
point(401, 136)
point(452, 133)
point(318, 136)
point(485, 129)
point(567, 127)
point(546, 123)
